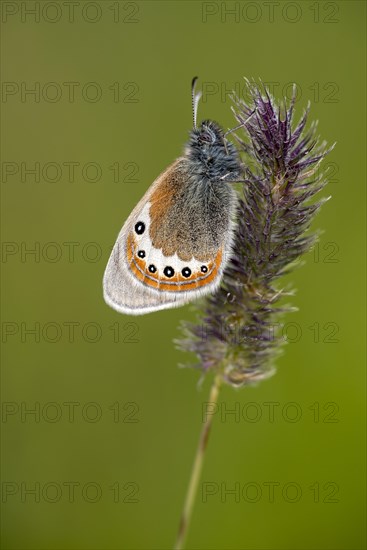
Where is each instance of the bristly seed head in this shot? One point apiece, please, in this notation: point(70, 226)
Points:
point(235, 333)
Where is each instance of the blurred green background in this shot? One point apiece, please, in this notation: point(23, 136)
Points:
point(108, 450)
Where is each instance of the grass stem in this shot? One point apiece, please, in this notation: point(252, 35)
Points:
point(196, 469)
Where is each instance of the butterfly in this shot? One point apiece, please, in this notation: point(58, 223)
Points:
point(175, 245)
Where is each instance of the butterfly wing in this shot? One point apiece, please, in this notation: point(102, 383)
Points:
point(165, 254)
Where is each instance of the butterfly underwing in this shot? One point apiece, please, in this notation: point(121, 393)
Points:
point(175, 244)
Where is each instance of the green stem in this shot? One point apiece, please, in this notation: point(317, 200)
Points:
point(196, 470)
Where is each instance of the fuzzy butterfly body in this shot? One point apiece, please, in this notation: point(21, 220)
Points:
point(175, 244)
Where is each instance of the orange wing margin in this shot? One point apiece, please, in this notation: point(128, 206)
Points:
point(178, 283)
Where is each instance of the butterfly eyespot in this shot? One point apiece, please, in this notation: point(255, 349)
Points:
point(203, 269)
point(141, 254)
point(186, 272)
point(169, 271)
point(139, 228)
point(152, 268)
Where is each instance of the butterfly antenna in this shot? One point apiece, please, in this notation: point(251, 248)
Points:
point(195, 100)
point(240, 125)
